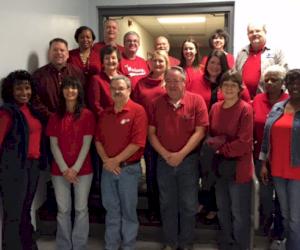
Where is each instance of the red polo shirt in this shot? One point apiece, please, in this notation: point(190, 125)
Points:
point(92, 66)
point(116, 131)
point(147, 90)
point(252, 71)
point(98, 95)
point(35, 130)
point(261, 108)
point(174, 127)
point(70, 132)
point(135, 69)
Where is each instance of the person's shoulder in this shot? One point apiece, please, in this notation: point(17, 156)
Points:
point(41, 71)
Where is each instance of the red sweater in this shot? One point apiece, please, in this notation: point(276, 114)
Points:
point(147, 90)
point(236, 123)
point(35, 130)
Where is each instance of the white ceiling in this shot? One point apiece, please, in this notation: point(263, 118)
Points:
point(177, 33)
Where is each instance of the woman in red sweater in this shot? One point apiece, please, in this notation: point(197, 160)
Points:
point(85, 57)
point(231, 126)
point(21, 154)
point(71, 131)
point(145, 92)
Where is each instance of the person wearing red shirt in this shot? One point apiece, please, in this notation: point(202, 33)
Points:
point(218, 41)
point(111, 31)
point(145, 92)
point(178, 122)
point(253, 59)
point(120, 141)
point(85, 57)
point(232, 119)
point(49, 77)
point(280, 151)
point(22, 155)
point(262, 104)
point(71, 131)
point(131, 65)
point(98, 94)
point(162, 43)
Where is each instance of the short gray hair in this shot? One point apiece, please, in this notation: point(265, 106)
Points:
point(179, 69)
point(131, 33)
point(276, 69)
point(122, 77)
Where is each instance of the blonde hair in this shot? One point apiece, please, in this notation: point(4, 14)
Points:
point(163, 54)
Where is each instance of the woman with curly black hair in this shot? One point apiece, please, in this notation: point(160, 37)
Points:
point(20, 159)
point(71, 130)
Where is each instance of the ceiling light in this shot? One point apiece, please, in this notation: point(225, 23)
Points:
point(174, 20)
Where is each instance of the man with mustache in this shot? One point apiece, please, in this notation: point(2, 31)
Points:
point(120, 141)
point(49, 77)
point(253, 59)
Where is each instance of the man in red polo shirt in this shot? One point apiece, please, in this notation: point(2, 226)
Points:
point(131, 65)
point(120, 141)
point(253, 59)
point(178, 122)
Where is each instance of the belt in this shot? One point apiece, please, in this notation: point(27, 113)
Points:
point(127, 163)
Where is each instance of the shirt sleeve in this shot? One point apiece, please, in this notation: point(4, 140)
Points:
point(94, 96)
point(139, 129)
point(5, 124)
point(52, 126)
point(201, 113)
point(89, 123)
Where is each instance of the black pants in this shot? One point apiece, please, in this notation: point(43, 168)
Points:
point(18, 187)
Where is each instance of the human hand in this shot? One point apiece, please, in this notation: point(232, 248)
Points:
point(71, 175)
point(264, 173)
point(112, 165)
point(174, 159)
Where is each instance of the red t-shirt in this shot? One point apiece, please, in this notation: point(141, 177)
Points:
point(134, 69)
point(175, 126)
point(35, 130)
point(115, 131)
point(229, 57)
point(280, 155)
point(261, 108)
point(147, 90)
point(251, 72)
point(92, 66)
point(99, 96)
point(236, 123)
point(70, 132)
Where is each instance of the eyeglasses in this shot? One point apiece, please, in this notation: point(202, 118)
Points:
point(117, 89)
point(131, 41)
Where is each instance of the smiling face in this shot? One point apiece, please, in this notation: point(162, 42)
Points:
point(256, 36)
point(85, 39)
point(158, 64)
point(111, 62)
point(70, 93)
point(120, 92)
point(175, 85)
point(111, 30)
point(273, 83)
point(214, 68)
point(131, 44)
point(58, 54)
point(162, 43)
point(22, 92)
point(218, 43)
point(189, 51)
point(230, 90)
point(294, 89)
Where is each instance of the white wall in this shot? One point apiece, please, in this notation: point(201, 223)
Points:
point(27, 26)
point(281, 17)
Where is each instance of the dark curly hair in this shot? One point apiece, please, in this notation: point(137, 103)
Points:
point(223, 62)
point(74, 83)
point(196, 62)
point(80, 30)
point(216, 34)
point(108, 50)
point(15, 78)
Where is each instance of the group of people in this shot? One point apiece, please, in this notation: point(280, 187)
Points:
point(175, 113)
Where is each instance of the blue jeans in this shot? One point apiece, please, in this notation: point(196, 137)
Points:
point(66, 237)
point(288, 192)
point(234, 207)
point(178, 190)
point(119, 197)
